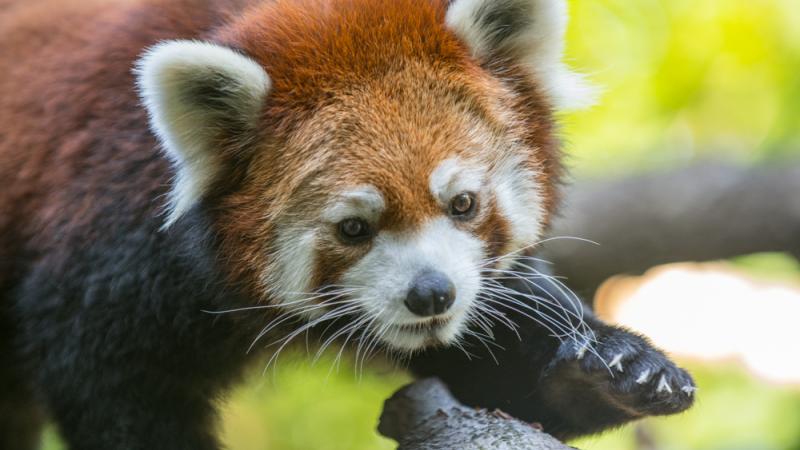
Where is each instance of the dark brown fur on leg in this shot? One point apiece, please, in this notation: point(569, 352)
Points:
point(20, 417)
point(20, 423)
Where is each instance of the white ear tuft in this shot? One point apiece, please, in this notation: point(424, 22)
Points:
point(199, 96)
point(528, 31)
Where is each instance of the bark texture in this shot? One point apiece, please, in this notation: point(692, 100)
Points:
point(424, 416)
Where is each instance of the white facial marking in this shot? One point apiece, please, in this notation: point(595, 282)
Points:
point(172, 77)
point(531, 31)
point(453, 177)
point(388, 270)
point(288, 280)
point(363, 202)
point(519, 200)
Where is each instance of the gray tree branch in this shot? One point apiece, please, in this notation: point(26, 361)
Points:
point(425, 416)
point(702, 212)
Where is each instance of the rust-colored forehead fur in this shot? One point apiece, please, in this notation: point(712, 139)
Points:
point(392, 134)
point(312, 49)
point(372, 92)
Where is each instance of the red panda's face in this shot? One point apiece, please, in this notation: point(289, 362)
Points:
point(406, 197)
point(398, 153)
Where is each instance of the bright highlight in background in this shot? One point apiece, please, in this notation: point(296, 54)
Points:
point(712, 312)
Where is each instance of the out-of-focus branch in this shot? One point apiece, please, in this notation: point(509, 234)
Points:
point(425, 416)
point(699, 213)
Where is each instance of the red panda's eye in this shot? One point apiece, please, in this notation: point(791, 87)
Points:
point(354, 231)
point(462, 206)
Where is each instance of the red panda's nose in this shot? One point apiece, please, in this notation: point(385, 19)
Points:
point(431, 293)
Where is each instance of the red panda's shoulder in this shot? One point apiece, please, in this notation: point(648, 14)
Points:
point(70, 117)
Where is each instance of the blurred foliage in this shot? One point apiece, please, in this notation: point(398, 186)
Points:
point(685, 79)
point(770, 266)
point(681, 80)
point(304, 406)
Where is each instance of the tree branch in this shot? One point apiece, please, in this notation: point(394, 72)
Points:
point(425, 416)
point(702, 212)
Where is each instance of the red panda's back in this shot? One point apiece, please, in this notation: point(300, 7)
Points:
point(74, 141)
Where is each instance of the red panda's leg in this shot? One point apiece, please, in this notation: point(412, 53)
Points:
point(107, 387)
point(125, 356)
point(20, 416)
point(618, 378)
point(128, 421)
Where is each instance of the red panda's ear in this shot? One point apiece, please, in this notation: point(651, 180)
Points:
point(528, 32)
point(200, 97)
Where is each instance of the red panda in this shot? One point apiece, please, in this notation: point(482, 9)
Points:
point(185, 180)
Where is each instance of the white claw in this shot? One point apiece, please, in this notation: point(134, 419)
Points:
point(617, 362)
point(689, 390)
point(643, 377)
point(663, 386)
point(582, 351)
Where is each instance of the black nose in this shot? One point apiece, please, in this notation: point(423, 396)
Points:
point(431, 293)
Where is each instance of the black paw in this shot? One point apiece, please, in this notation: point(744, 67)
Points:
point(628, 371)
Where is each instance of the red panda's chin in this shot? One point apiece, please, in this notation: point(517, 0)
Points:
point(410, 341)
point(436, 332)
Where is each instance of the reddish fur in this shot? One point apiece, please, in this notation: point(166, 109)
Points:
point(366, 62)
point(364, 91)
point(105, 307)
point(70, 120)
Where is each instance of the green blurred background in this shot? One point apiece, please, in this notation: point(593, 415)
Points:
point(682, 80)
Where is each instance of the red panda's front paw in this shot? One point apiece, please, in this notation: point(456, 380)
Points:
point(633, 375)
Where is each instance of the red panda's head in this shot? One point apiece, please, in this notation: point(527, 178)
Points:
point(374, 158)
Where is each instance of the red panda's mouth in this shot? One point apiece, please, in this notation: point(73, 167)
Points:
point(428, 327)
point(437, 331)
